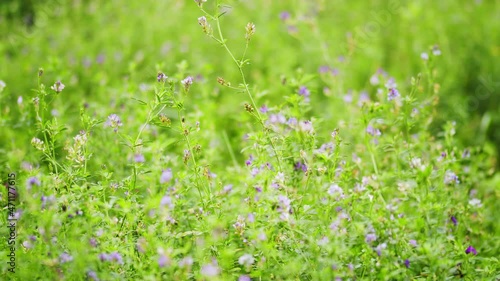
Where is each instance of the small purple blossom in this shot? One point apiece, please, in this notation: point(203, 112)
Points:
point(161, 77)
point(32, 181)
point(210, 270)
point(407, 263)
point(471, 250)
point(57, 87)
point(246, 260)
point(166, 175)
point(300, 166)
point(324, 69)
point(303, 91)
point(264, 109)
point(450, 178)
point(249, 161)
point(379, 248)
point(65, 257)
point(139, 158)
point(370, 237)
point(114, 122)
point(372, 131)
point(92, 275)
point(187, 82)
point(454, 220)
point(424, 56)
point(227, 188)
point(393, 94)
point(413, 242)
point(163, 261)
point(244, 278)
point(186, 262)
point(284, 15)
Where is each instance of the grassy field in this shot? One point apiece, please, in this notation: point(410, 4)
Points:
point(250, 140)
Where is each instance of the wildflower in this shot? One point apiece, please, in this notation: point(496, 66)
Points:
point(380, 247)
point(474, 202)
point(163, 260)
point(450, 178)
point(407, 263)
point(284, 15)
point(65, 257)
point(370, 237)
point(372, 131)
point(27, 245)
point(436, 51)
point(161, 77)
point(166, 201)
point(303, 91)
point(244, 278)
point(323, 241)
point(166, 175)
point(306, 126)
point(364, 98)
point(323, 69)
point(57, 87)
point(228, 188)
point(262, 236)
point(249, 161)
point(187, 82)
point(284, 204)
point(37, 143)
point(454, 220)
point(250, 30)
point(139, 158)
point(424, 56)
point(391, 83)
point(263, 109)
point(93, 242)
point(19, 100)
point(186, 262)
point(393, 94)
point(470, 250)
point(92, 275)
point(300, 166)
point(335, 189)
point(32, 181)
point(207, 29)
point(246, 260)
point(114, 122)
point(239, 225)
point(413, 242)
point(210, 270)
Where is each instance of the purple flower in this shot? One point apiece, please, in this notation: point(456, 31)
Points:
point(211, 269)
point(166, 201)
point(186, 262)
point(372, 131)
point(166, 175)
point(65, 257)
point(379, 248)
point(92, 275)
point(370, 237)
point(454, 220)
point(57, 87)
point(413, 242)
point(115, 256)
point(187, 82)
point(139, 158)
point(300, 166)
point(244, 278)
point(407, 263)
point(393, 93)
point(264, 109)
point(284, 15)
point(323, 69)
point(249, 161)
point(303, 91)
point(450, 178)
point(228, 188)
point(114, 122)
point(32, 181)
point(163, 261)
point(246, 260)
point(471, 249)
point(424, 56)
point(161, 77)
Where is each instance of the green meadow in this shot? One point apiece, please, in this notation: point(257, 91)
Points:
point(249, 140)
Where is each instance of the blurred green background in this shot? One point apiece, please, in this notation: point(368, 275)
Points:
point(104, 51)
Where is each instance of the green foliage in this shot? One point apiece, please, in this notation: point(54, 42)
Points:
point(175, 141)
